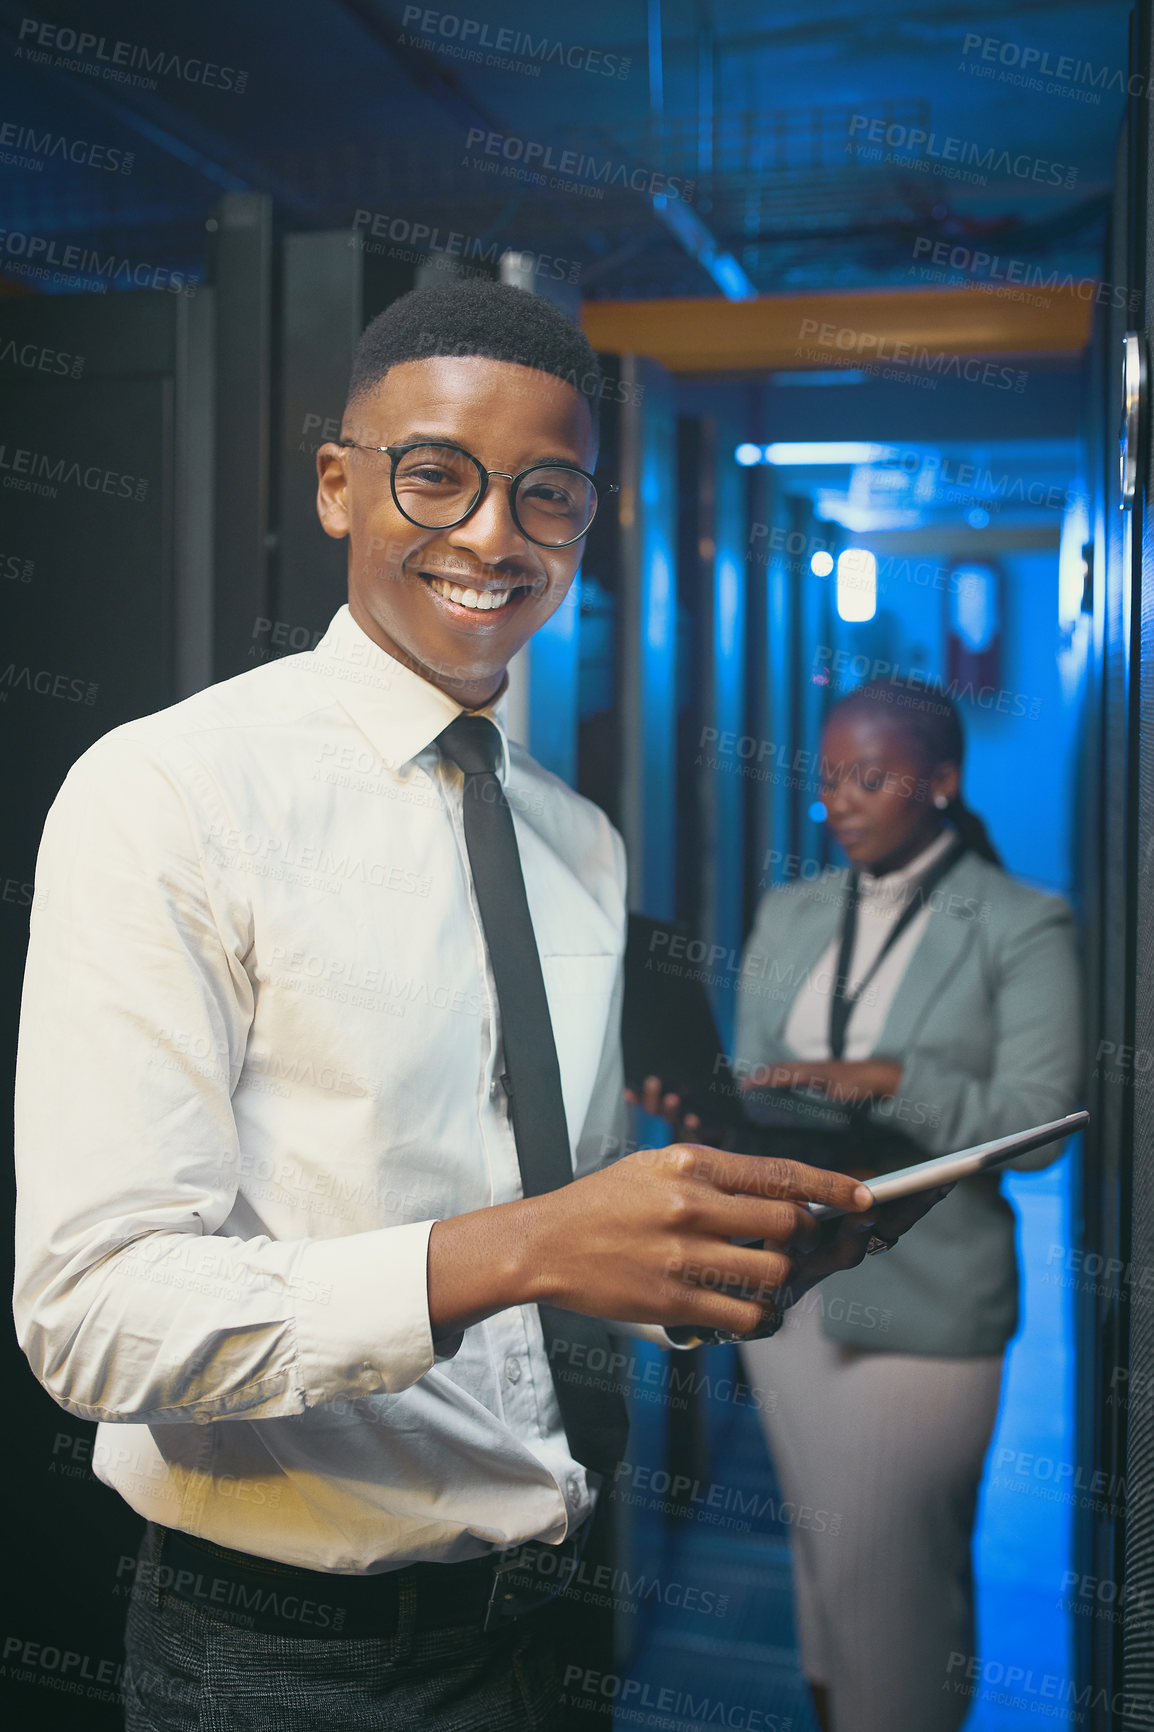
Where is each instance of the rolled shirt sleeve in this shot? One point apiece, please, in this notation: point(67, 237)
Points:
point(130, 1302)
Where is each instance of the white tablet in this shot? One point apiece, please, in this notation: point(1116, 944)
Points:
point(944, 1169)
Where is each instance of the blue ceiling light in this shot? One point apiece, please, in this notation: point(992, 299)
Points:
point(687, 227)
point(821, 563)
point(730, 277)
point(747, 455)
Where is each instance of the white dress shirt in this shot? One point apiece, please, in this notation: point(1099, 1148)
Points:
point(881, 903)
point(259, 1058)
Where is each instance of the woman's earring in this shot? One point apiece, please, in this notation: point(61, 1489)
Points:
point(941, 802)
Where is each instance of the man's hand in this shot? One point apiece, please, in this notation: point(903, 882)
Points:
point(646, 1240)
point(841, 1244)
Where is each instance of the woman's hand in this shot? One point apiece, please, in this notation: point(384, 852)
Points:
point(846, 1082)
point(666, 1103)
point(842, 1082)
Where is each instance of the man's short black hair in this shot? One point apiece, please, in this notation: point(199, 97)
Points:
point(491, 320)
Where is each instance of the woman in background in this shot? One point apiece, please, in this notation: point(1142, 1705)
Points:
point(922, 1002)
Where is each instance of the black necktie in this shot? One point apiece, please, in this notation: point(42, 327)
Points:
point(592, 1408)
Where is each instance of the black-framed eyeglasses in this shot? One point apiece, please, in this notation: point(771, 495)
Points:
point(437, 485)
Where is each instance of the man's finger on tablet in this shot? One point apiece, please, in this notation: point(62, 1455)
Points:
point(775, 1223)
point(786, 1181)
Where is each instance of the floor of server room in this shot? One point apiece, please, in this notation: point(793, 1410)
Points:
point(709, 1666)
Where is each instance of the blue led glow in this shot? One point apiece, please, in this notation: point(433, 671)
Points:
point(975, 615)
point(728, 607)
point(700, 243)
point(729, 277)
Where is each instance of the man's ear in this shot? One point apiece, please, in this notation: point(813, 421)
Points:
point(332, 490)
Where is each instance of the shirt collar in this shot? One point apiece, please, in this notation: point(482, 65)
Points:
point(896, 886)
point(400, 712)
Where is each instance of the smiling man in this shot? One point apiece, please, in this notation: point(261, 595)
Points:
point(472, 565)
point(321, 1230)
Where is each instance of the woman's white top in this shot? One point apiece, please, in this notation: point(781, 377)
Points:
point(881, 902)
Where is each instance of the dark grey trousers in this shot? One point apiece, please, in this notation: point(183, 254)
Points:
point(194, 1670)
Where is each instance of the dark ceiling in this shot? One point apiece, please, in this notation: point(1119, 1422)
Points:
point(800, 147)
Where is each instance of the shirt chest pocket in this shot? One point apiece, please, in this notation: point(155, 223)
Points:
point(580, 993)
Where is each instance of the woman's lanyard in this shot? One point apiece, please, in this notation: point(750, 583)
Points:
point(842, 1003)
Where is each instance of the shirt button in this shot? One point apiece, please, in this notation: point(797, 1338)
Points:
point(369, 1379)
point(513, 1369)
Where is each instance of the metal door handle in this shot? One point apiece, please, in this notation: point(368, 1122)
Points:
point(1133, 409)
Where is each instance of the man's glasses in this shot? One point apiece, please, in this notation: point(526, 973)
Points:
point(436, 486)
